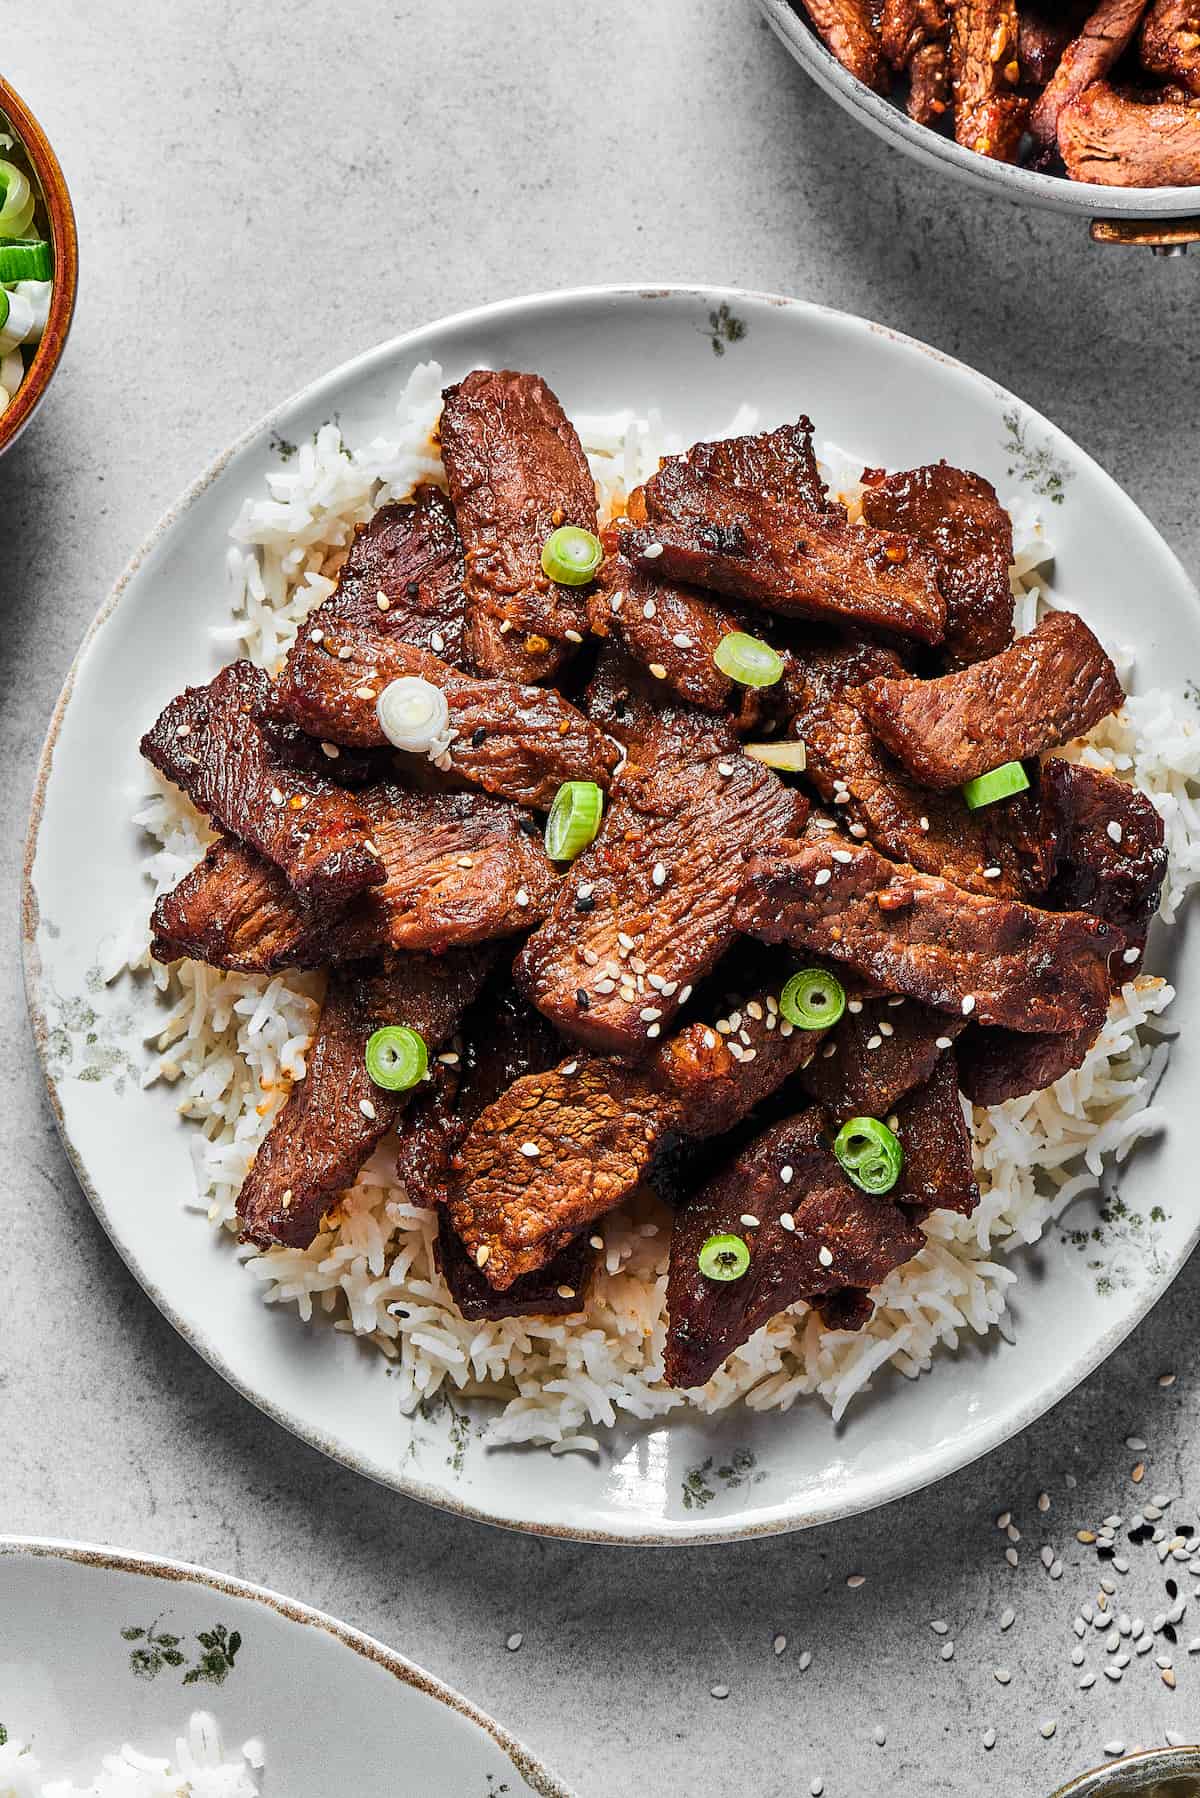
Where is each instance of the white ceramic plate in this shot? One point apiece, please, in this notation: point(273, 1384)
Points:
point(99, 1648)
point(696, 354)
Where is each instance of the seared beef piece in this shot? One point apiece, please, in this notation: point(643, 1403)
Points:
point(323, 1135)
point(1088, 870)
point(784, 558)
point(1170, 42)
point(1044, 34)
point(647, 910)
point(664, 627)
point(1128, 142)
point(1050, 686)
point(516, 471)
point(555, 1290)
point(596, 1127)
point(459, 868)
point(915, 35)
point(403, 579)
point(210, 743)
point(915, 934)
point(427, 1140)
point(826, 663)
point(850, 1309)
point(989, 114)
point(1103, 39)
point(849, 30)
point(778, 465)
point(849, 1077)
point(939, 1163)
point(995, 1065)
point(520, 742)
point(936, 832)
point(862, 1239)
point(958, 518)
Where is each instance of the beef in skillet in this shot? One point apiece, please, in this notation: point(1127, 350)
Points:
point(849, 29)
point(1131, 140)
point(989, 112)
point(1170, 42)
point(915, 36)
point(1103, 39)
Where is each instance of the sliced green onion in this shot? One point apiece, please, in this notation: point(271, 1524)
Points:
point(574, 819)
point(16, 200)
point(414, 715)
point(723, 1258)
point(19, 322)
point(790, 756)
point(812, 999)
point(3, 309)
point(396, 1058)
point(26, 259)
point(39, 294)
point(1001, 783)
point(870, 1153)
point(748, 660)
point(571, 556)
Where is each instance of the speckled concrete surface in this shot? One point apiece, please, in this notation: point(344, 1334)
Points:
point(261, 193)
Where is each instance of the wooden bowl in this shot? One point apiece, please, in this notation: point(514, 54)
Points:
point(59, 216)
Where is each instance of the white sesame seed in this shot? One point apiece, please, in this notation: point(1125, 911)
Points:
point(1048, 1727)
point(1112, 1672)
point(1007, 1617)
point(651, 552)
point(886, 1029)
point(316, 636)
point(684, 996)
point(649, 609)
point(625, 941)
point(816, 1787)
point(566, 1292)
point(654, 1030)
point(924, 823)
point(481, 1255)
point(779, 1644)
point(437, 640)
point(597, 1242)
point(1002, 1675)
point(858, 830)
point(1116, 1749)
point(659, 876)
point(748, 1220)
point(1011, 1556)
point(1115, 831)
point(787, 1221)
point(680, 641)
point(648, 1013)
point(276, 796)
point(880, 1735)
point(1046, 1556)
point(1077, 1656)
point(719, 1691)
point(823, 877)
point(992, 873)
point(989, 1739)
point(854, 1005)
point(854, 1580)
point(522, 896)
point(944, 1042)
point(875, 1042)
point(1013, 1533)
point(366, 1107)
point(514, 1641)
point(710, 1040)
point(805, 1661)
point(940, 1627)
point(1131, 955)
point(947, 1651)
point(573, 636)
point(785, 1174)
point(331, 750)
point(842, 855)
point(658, 670)
point(382, 601)
point(345, 653)
point(725, 768)
point(968, 1005)
point(1086, 1681)
point(1004, 1519)
point(825, 1256)
point(1166, 1379)
point(531, 1150)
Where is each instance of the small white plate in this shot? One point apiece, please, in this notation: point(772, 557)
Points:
point(696, 354)
point(99, 1648)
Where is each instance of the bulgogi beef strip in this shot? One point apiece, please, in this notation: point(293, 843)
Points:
point(995, 1065)
point(1169, 44)
point(1105, 852)
point(784, 558)
point(882, 1047)
point(459, 869)
point(403, 580)
point(1102, 41)
point(935, 832)
point(335, 1116)
point(989, 113)
point(670, 630)
point(521, 742)
point(1127, 141)
point(915, 35)
point(647, 909)
point(848, 27)
point(992, 959)
point(779, 465)
point(1051, 685)
point(556, 1290)
point(1044, 35)
point(516, 472)
point(939, 1166)
point(559, 1149)
point(958, 518)
point(210, 742)
point(816, 1234)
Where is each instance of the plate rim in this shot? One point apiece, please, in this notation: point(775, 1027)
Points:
point(100, 1556)
point(679, 1533)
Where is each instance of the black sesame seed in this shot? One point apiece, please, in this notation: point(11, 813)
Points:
point(1172, 1589)
point(1105, 1553)
point(1184, 1529)
point(1169, 1631)
point(585, 902)
point(413, 589)
point(477, 737)
point(530, 827)
point(581, 999)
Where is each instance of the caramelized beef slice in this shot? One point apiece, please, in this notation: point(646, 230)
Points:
point(521, 742)
point(459, 868)
point(1106, 851)
point(915, 36)
point(915, 934)
point(777, 465)
point(824, 664)
point(555, 1290)
point(989, 114)
point(323, 1135)
point(848, 29)
point(1125, 141)
point(670, 630)
point(1051, 685)
point(959, 520)
point(1045, 32)
point(402, 579)
point(647, 910)
point(835, 1238)
point(1105, 36)
point(428, 1138)
point(210, 742)
point(935, 832)
point(784, 558)
point(597, 1127)
point(1169, 45)
point(939, 1163)
point(516, 472)
point(995, 1065)
point(876, 1054)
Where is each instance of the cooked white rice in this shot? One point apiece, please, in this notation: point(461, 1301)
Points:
point(233, 1043)
point(197, 1769)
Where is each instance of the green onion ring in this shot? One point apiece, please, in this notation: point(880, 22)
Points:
point(813, 999)
point(748, 660)
point(870, 1154)
point(571, 556)
point(723, 1258)
point(574, 819)
point(1001, 783)
point(396, 1058)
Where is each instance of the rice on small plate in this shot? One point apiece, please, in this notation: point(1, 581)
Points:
point(231, 1044)
point(197, 1769)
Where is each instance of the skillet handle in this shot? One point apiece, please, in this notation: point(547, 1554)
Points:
point(1165, 237)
